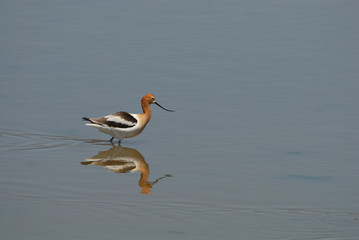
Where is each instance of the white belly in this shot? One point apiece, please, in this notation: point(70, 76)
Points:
point(118, 132)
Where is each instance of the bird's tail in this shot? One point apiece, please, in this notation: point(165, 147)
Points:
point(86, 119)
point(87, 162)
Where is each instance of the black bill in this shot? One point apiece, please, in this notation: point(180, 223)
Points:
point(163, 107)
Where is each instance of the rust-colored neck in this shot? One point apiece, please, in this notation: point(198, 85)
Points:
point(145, 107)
point(146, 110)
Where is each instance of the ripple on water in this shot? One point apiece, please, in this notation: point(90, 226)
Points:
point(15, 140)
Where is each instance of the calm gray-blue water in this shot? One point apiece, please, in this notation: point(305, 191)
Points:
point(263, 143)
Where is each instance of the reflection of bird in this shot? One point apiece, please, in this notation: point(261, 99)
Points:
point(122, 160)
point(123, 124)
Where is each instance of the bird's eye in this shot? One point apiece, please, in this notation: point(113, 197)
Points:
point(153, 98)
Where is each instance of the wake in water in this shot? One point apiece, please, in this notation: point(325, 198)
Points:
point(16, 140)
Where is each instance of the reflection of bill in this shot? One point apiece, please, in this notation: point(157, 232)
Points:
point(122, 160)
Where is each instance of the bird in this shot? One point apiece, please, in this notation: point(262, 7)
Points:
point(122, 125)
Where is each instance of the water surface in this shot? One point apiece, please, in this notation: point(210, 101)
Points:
point(263, 143)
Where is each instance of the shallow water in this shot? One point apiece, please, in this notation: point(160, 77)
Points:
point(263, 143)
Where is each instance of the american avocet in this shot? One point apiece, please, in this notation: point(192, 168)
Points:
point(122, 125)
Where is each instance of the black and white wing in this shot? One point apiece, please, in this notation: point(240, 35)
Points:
point(115, 120)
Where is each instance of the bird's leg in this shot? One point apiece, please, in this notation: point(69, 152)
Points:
point(119, 142)
point(111, 139)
